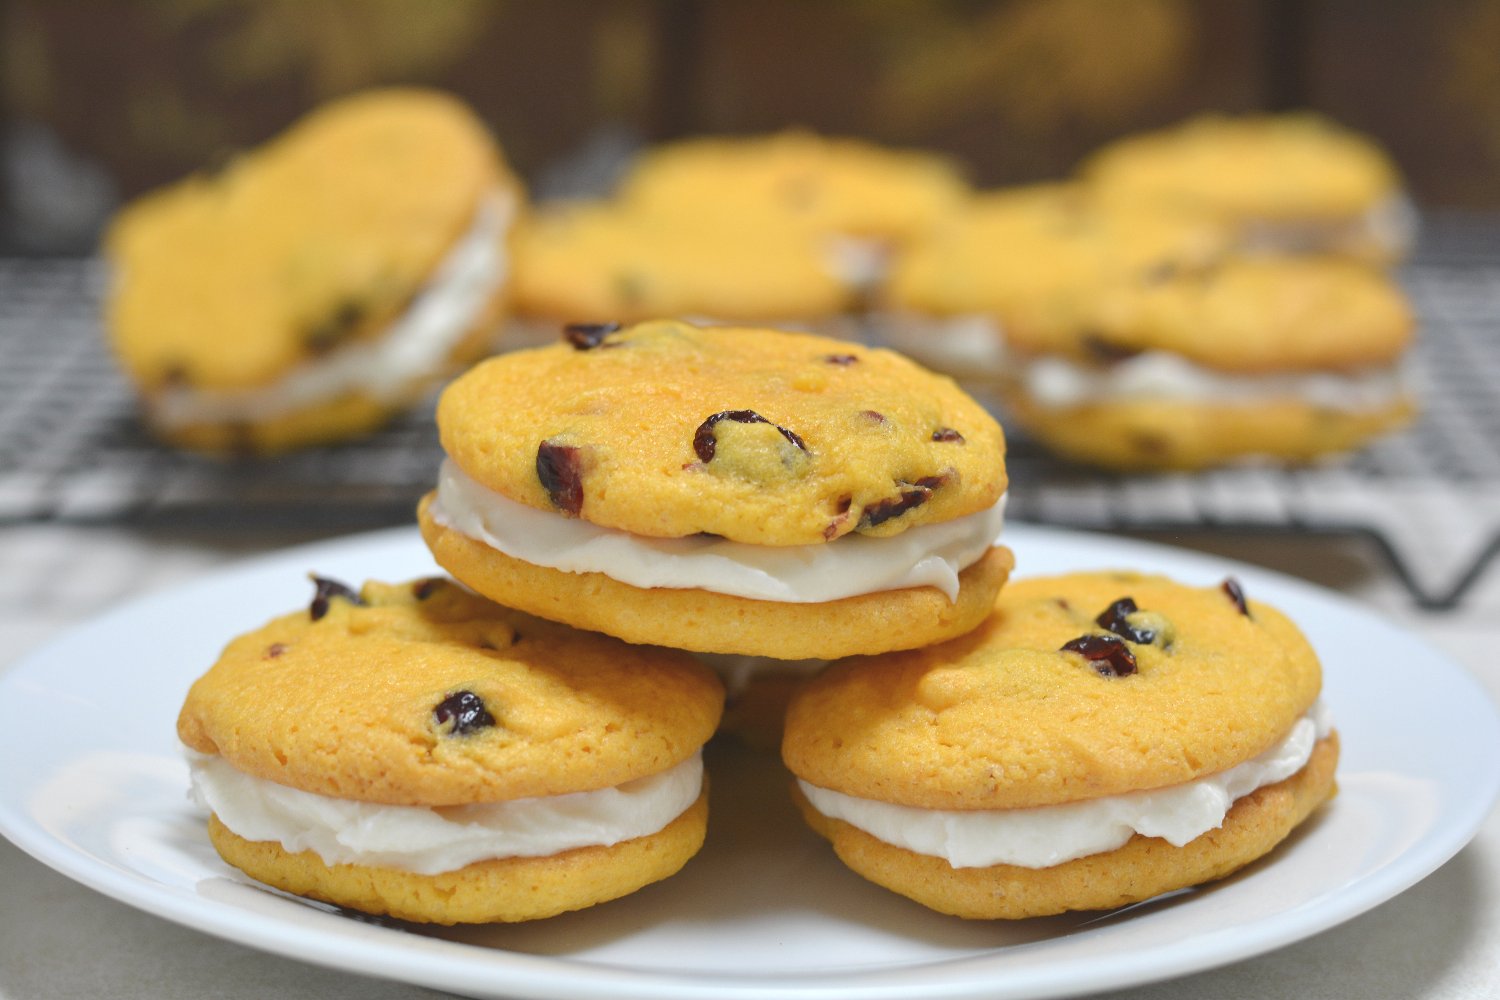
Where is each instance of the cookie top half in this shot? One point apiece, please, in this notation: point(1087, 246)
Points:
point(425, 694)
point(828, 185)
point(1036, 257)
point(1273, 167)
point(669, 430)
point(1044, 704)
point(314, 240)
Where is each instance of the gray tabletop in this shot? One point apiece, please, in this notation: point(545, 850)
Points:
point(1440, 940)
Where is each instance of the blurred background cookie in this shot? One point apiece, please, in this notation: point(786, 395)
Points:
point(312, 287)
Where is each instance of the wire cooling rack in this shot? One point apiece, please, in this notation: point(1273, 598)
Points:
point(71, 448)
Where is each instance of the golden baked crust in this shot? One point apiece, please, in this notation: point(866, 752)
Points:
point(1143, 435)
point(1144, 867)
point(311, 243)
point(1293, 166)
point(1005, 718)
point(760, 436)
point(347, 705)
point(601, 261)
point(706, 622)
point(825, 185)
point(500, 890)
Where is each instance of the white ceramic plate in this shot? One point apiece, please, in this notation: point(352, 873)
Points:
point(765, 911)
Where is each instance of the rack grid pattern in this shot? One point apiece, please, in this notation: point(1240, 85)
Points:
point(72, 450)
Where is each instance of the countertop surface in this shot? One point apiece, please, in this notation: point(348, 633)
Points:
point(1439, 940)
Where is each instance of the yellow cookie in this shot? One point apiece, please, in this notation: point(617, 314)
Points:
point(601, 261)
point(1102, 738)
point(722, 489)
point(319, 283)
point(417, 751)
point(829, 186)
point(1293, 182)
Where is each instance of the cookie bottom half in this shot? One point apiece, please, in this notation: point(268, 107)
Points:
point(1172, 435)
point(504, 890)
point(339, 418)
point(706, 622)
point(1144, 867)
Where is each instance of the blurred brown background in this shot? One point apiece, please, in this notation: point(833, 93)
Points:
point(101, 100)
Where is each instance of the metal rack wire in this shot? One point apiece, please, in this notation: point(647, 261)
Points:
point(71, 448)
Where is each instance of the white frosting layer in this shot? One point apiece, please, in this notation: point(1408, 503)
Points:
point(1059, 382)
point(415, 346)
point(738, 672)
point(1390, 227)
point(427, 841)
point(1050, 835)
point(929, 555)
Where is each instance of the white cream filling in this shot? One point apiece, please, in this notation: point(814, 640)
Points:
point(929, 555)
point(431, 840)
point(1050, 835)
point(1389, 226)
point(1059, 382)
point(968, 344)
point(414, 347)
point(738, 672)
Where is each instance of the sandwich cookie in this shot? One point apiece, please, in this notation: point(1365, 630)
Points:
point(723, 490)
point(416, 751)
point(1101, 739)
point(319, 284)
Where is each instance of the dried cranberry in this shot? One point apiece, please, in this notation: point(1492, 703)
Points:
point(1114, 619)
point(911, 495)
point(1108, 655)
point(873, 416)
point(336, 328)
point(274, 650)
point(1236, 593)
point(587, 336)
point(465, 710)
point(1107, 352)
point(947, 434)
point(424, 589)
point(706, 445)
point(327, 590)
point(842, 360)
point(559, 467)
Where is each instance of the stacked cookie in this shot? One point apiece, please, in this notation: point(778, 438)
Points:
point(319, 284)
point(741, 492)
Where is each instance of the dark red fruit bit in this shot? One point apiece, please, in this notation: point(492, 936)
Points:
point(326, 591)
point(587, 336)
point(1113, 619)
point(874, 416)
point(465, 710)
point(911, 495)
point(1108, 655)
point(1236, 593)
point(1107, 352)
point(560, 469)
point(424, 589)
point(842, 360)
point(336, 328)
point(706, 445)
point(274, 650)
point(947, 434)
